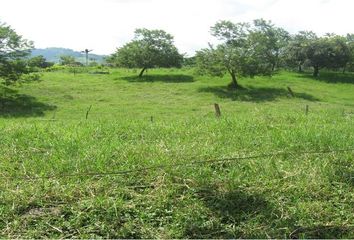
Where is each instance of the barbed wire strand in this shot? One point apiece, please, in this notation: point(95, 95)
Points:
point(182, 164)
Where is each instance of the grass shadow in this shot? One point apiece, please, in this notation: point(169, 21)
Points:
point(231, 208)
point(252, 94)
point(331, 77)
point(176, 78)
point(322, 232)
point(15, 105)
point(235, 207)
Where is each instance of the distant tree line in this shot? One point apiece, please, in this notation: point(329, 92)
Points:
point(245, 49)
point(260, 48)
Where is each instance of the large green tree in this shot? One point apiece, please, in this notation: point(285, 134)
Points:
point(330, 51)
point(239, 54)
point(13, 50)
point(148, 49)
point(341, 52)
point(296, 54)
point(270, 41)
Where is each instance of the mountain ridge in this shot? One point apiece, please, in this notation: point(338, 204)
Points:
point(52, 54)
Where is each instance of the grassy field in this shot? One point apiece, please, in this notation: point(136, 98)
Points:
point(265, 169)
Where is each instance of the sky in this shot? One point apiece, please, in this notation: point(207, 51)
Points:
point(104, 25)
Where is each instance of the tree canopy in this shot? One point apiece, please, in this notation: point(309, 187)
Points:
point(39, 62)
point(68, 60)
point(13, 50)
point(148, 49)
point(260, 48)
point(330, 51)
point(246, 50)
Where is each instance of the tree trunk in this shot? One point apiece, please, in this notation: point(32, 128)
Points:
point(300, 67)
point(234, 83)
point(316, 71)
point(142, 72)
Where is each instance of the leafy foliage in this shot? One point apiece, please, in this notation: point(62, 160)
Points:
point(270, 42)
point(296, 49)
point(246, 50)
point(39, 62)
point(330, 51)
point(149, 49)
point(68, 60)
point(13, 50)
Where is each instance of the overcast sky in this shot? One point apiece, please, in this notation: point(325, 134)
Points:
point(104, 25)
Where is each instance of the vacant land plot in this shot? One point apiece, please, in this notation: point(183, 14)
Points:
point(116, 156)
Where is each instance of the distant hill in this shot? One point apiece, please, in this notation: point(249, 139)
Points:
point(53, 54)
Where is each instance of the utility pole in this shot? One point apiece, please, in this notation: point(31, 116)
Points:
point(86, 51)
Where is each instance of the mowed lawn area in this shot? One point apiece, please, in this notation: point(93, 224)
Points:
point(116, 156)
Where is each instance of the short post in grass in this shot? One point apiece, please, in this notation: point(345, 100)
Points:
point(291, 92)
point(307, 109)
point(54, 115)
point(217, 110)
point(88, 111)
point(152, 119)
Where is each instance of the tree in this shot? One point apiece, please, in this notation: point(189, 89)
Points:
point(318, 53)
point(350, 42)
point(148, 49)
point(342, 54)
point(270, 41)
point(189, 61)
point(13, 50)
point(296, 49)
point(39, 62)
point(67, 60)
point(238, 54)
point(330, 51)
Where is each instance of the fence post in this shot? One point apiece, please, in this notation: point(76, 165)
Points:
point(88, 111)
point(217, 110)
point(307, 109)
point(291, 92)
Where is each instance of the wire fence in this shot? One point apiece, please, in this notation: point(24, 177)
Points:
point(153, 119)
point(173, 165)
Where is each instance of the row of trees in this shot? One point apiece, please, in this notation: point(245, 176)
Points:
point(246, 49)
point(250, 49)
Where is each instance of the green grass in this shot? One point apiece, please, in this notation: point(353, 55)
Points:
point(44, 132)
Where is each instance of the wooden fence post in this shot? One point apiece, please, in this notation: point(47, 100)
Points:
point(291, 92)
point(217, 110)
point(88, 111)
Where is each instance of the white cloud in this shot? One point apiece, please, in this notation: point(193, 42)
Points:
point(103, 25)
